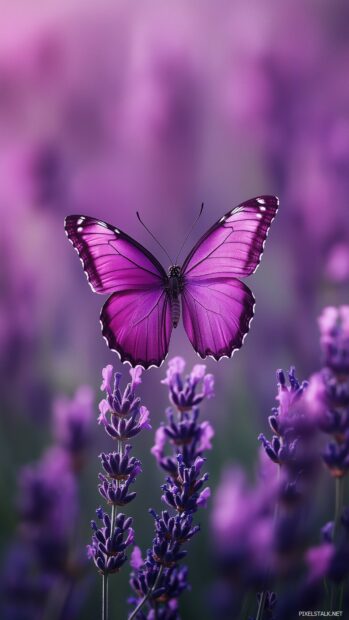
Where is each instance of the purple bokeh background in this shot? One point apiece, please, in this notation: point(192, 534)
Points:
point(111, 107)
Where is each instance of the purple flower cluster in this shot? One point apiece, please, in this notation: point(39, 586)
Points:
point(45, 560)
point(329, 389)
point(110, 541)
point(123, 418)
point(262, 534)
point(259, 530)
point(72, 421)
point(158, 580)
point(328, 402)
point(292, 446)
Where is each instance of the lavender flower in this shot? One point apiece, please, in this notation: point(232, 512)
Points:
point(45, 568)
point(328, 403)
point(47, 501)
point(158, 580)
point(292, 445)
point(328, 400)
point(259, 529)
point(109, 542)
point(330, 559)
point(72, 423)
point(183, 430)
point(123, 417)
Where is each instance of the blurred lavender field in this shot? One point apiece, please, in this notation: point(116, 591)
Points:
point(111, 107)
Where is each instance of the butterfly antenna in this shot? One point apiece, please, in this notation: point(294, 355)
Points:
point(189, 233)
point(155, 239)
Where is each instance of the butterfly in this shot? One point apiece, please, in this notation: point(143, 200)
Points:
point(145, 302)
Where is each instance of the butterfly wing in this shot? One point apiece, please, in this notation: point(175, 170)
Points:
point(234, 245)
point(217, 307)
point(136, 319)
point(112, 260)
point(217, 315)
point(138, 326)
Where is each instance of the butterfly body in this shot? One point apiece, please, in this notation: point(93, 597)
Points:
point(174, 288)
point(146, 303)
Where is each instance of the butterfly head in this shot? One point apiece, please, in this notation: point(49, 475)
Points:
point(174, 271)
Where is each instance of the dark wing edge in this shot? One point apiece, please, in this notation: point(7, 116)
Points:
point(71, 225)
point(262, 200)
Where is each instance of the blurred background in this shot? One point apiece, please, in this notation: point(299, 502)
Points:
point(110, 107)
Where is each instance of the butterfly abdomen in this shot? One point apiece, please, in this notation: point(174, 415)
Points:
point(175, 286)
point(175, 311)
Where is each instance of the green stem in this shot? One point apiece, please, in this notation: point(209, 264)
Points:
point(261, 605)
point(244, 606)
point(338, 506)
point(57, 599)
point(341, 595)
point(263, 597)
point(339, 491)
point(105, 597)
point(147, 596)
point(105, 577)
point(113, 516)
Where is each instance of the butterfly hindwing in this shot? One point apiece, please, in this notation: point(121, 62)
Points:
point(217, 315)
point(136, 318)
point(137, 325)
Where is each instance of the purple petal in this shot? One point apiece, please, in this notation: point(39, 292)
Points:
point(136, 376)
point(144, 418)
point(197, 373)
point(160, 442)
point(176, 366)
point(327, 321)
point(107, 375)
point(136, 559)
point(130, 536)
point(209, 386)
point(103, 408)
point(319, 560)
point(207, 432)
point(203, 497)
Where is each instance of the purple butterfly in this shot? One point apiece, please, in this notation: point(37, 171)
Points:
point(144, 305)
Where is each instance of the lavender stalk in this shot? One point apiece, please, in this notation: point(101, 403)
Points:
point(159, 579)
point(329, 403)
point(123, 418)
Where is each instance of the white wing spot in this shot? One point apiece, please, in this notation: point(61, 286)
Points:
point(259, 215)
point(80, 229)
point(222, 219)
point(262, 208)
point(117, 231)
point(80, 221)
point(102, 223)
point(236, 210)
point(261, 201)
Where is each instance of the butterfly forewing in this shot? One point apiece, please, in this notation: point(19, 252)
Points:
point(112, 260)
point(234, 245)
